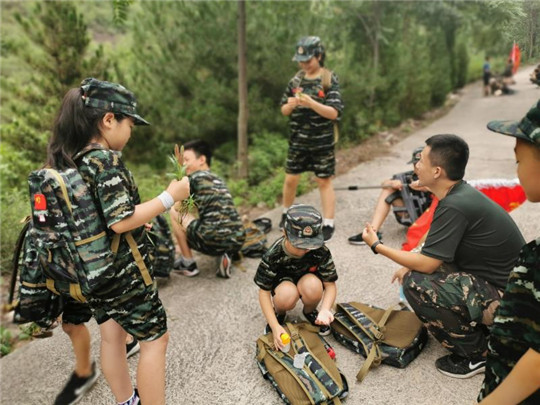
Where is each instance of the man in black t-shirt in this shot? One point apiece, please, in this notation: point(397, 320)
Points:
point(455, 282)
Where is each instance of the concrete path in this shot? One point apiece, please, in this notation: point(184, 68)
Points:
point(214, 322)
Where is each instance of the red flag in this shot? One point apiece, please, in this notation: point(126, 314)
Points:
point(507, 193)
point(515, 55)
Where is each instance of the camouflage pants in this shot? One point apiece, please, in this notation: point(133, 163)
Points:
point(456, 307)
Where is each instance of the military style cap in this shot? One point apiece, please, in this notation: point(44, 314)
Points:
point(416, 155)
point(527, 129)
point(112, 97)
point(307, 48)
point(303, 227)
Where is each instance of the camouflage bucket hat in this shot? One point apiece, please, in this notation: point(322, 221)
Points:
point(527, 129)
point(303, 227)
point(307, 48)
point(416, 155)
point(112, 97)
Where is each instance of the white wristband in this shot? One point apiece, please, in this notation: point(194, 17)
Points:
point(166, 199)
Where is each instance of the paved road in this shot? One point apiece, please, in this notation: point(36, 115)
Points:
point(214, 322)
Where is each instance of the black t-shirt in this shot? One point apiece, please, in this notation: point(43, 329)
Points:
point(475, 234)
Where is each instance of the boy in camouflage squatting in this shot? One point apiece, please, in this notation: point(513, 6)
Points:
point(513, 361)
point(313, 112)
point(218, 231)
point(99, 117)
point(297, 266)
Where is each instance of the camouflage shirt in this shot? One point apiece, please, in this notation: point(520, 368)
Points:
point(277, 264)
point(218, 217)
point(516, 327)
point(116, 195)
point(309, 130)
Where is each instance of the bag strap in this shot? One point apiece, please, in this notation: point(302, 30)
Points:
point(138, 258)
point(299, 343)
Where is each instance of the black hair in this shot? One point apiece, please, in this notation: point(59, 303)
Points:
point(200, 147)
point(449, 152)
point(320, 51)
point(73, 129)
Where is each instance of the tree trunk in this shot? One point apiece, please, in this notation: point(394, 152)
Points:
point(242, 155)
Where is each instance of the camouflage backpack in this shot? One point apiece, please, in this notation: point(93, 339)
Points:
point(393, 337)
point(307, 373)
point(255, 243)
point(70, 236)
point(161, 247)
point(29, 297)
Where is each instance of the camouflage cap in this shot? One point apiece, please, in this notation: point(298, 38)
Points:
point(528, 129)
point(416, 155)
point(303, 227)
point(307, 48)
point(112, 97)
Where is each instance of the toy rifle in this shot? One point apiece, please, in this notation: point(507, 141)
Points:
point(413, 202)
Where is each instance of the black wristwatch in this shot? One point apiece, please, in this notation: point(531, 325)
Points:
point(375, 244)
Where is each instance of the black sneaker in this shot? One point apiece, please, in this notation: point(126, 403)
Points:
point(190, 270)
point(282, 221)
point(281, 321)
point(76, 387)
point(456, 366)
point(224, 269)
point(132, 347)
point(328, 232)
point(324, 330)
point(357, 239)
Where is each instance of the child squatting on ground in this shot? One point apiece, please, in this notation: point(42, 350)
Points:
point(218, 229)
point(99, 116)
point(297, 266)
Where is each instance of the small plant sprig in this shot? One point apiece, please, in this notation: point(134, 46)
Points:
point(177, 159)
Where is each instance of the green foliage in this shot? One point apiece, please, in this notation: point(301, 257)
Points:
point(6, 341)
point(14, 206)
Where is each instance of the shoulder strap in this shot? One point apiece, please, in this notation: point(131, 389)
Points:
point(326, 79)
point(297, 79)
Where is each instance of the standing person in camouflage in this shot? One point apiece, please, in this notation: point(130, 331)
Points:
point(313, 102)
point(99, 116)
point(513, 360)
point(298, 266)
point(455, 282)
point(218, 230)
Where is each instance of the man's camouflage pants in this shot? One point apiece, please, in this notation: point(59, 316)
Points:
point(456, 307)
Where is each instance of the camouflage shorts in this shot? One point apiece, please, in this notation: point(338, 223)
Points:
point(135, 306)
point(212, 243)
point(456, 307)
point(75, 312)
point(321, 162)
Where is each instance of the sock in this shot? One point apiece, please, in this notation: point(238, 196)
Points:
point(285, 209)
point(328, 221)
point(187, 261)
point(133, 400)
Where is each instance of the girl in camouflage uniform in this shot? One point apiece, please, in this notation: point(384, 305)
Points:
point(313, 110)
point(513, 360)
point(99, 116)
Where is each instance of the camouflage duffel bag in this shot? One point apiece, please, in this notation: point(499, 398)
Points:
point(393, 337)
point(306, 374)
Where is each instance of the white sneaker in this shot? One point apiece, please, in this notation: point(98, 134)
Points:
point(224, 269)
